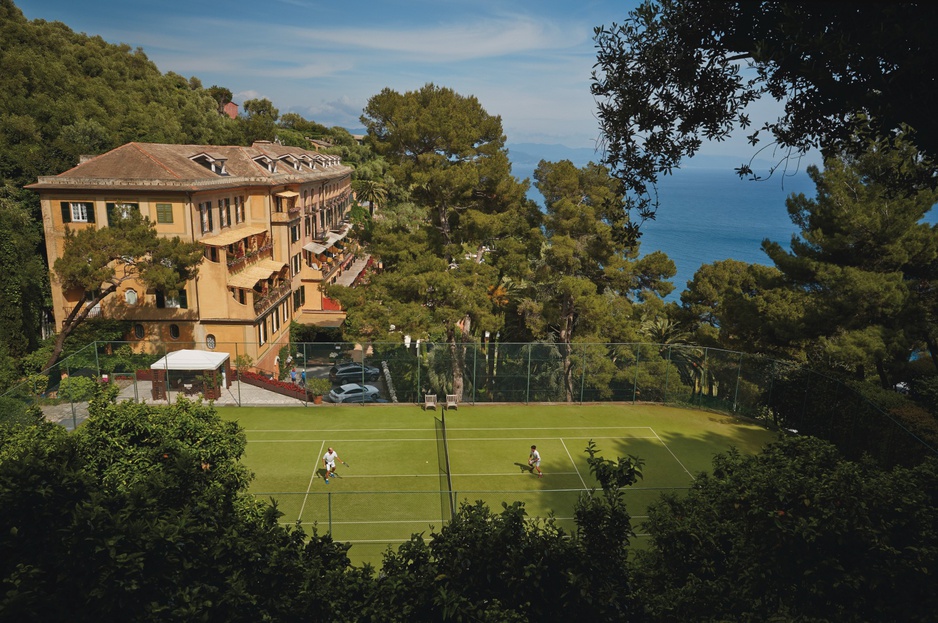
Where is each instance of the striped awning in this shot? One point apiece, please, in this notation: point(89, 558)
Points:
point(272, 265)
point(314, 247)
point(249, 277)
point(231, 236)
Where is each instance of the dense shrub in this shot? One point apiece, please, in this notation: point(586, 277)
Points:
point(76, 388)
point(859, 418)
point(925, 392)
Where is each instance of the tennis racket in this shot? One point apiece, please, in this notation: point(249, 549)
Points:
point(344, 463)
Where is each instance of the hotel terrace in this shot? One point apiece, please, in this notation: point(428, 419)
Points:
point(272, 221)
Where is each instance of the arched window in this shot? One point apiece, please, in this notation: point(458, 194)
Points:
point(130, 296)
point(174, 331)
point(138, 331)
point(210, 341)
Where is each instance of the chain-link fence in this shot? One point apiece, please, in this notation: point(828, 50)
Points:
point(777, 393)
point(391, 517)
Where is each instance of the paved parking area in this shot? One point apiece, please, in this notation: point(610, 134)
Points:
point(71, 415)
point(239, 394)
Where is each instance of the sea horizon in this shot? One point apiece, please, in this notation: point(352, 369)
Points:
point(706, 212)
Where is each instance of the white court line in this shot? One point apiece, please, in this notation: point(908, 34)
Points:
point(674, 455)
point(311, 479)
point(653, 436)
point(332, 430)
point(555, 428)
point(385, 430)
point(521, 474)
point(567, 450)
point(356, 440)
point(390, 439)
point(347, 475)
point(506, 474)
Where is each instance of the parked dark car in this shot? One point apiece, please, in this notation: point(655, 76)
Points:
point(353, 373)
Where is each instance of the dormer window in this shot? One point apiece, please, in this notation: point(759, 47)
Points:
point(291, 160)
point(309, 162)
point(267, 163)
point(214, 163)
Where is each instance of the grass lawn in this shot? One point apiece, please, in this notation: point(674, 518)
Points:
point(392, 487)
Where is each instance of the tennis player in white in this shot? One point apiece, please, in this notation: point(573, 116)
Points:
point(534, 460)
point(328, 461)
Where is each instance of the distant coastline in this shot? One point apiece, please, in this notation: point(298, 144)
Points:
point(706, 214)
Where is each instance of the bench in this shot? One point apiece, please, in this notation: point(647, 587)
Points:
point(429, 402)
point(451, 402)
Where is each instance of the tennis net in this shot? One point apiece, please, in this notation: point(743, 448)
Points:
point(447, 502)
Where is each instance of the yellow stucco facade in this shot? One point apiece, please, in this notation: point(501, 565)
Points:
point(272, 221)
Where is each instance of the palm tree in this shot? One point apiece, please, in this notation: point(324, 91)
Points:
point(371, 191)
point(673, 345)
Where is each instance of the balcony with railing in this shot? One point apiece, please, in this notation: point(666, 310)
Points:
point(237, 263)
point(265, 300)
point(94, 312)
point(286, 207)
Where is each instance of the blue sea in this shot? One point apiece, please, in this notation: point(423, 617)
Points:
point(706, 212)
point(708, 215)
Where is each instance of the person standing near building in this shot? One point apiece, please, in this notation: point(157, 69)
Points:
point(534, 460)
point(328, 461)
point(293, 375)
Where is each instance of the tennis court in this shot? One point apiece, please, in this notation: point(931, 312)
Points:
point(398, 477)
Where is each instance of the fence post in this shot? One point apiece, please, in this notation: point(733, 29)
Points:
point(635, 381)
point(583, 376)
point(475, 372)
point(527, 391)
point(71, 401)
point(237, 355)
point(166, 372)
point(667, 375)
point(739, 369)
point(97, 365)
point(704, 371)
point(773, 372)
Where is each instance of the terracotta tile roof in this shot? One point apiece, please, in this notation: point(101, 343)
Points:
point(146, 165)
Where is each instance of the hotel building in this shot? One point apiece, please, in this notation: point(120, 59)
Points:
point(272, 221)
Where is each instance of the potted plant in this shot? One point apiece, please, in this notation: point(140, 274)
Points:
point(211, 384)
point(317, 388)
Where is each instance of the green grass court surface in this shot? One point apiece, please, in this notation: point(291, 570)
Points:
point(392, 487)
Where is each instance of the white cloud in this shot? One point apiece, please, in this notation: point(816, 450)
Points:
point(480, 38)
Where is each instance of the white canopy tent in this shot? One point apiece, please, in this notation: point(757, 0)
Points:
point(191, 360)
point(185, 370)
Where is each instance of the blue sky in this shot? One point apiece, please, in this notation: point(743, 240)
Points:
point(528, 61)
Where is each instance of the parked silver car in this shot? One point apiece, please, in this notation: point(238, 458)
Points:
point(353, 392)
